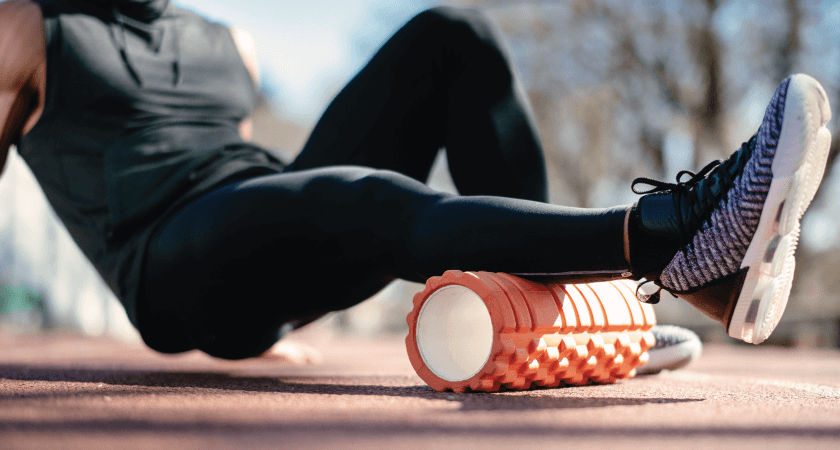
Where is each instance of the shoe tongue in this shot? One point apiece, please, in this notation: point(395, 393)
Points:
point(658, 215)
point(707, 192)
point(654, 235)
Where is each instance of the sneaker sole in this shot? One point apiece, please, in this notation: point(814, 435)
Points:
point(798, 167)
point(481, 331)
point(672, 357)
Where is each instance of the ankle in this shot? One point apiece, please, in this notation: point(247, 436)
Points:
point(647, 253)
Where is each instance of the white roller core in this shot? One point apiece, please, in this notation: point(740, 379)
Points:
point(454, 333)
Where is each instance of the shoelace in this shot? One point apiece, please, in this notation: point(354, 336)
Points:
point(649, 298)
point(701, 194)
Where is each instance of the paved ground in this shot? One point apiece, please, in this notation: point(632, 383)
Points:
point(71, 392)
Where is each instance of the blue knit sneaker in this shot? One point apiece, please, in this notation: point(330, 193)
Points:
point(735, 224)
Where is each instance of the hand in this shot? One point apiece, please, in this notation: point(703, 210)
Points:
point(292, 353)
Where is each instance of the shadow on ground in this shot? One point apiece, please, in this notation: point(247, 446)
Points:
point(135, 383)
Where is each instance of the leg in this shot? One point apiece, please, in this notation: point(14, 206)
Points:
point(442, 80)
point(227, 271)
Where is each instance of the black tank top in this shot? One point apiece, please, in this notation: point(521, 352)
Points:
point(141, 116)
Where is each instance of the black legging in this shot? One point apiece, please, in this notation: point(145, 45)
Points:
point(351, 213)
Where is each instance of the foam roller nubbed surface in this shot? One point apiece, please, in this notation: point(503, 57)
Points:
point(485, 331)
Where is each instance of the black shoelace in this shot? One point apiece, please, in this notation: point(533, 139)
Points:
point(700, 194)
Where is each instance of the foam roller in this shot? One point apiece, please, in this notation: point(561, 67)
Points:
point(483, 331)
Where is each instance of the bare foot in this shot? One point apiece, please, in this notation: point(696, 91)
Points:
point(292, 353)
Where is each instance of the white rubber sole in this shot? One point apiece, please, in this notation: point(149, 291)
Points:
point(798, 168)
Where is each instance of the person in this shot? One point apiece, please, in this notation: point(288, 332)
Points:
point(133, 116)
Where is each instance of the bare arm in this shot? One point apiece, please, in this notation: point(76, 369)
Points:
point(248, 52)
point(22, 68)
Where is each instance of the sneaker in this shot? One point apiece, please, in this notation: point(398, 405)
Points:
point(674, 349)
point(735, 224)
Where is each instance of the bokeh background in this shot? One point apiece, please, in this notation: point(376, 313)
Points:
point(620, 89)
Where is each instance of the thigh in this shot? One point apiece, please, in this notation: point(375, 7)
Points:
point(230, 268)
point(394, 114)
point(391, 115)
point(442, 80)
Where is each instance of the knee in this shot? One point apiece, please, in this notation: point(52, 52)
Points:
point(385, 201)
point(385, 187)
point(453, 16)
point(334, 184)
point(450, 24)
point(349, 182)
point(349, 194)
point(468, 43)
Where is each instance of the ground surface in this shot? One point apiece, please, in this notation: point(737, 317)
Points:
point(71, 392)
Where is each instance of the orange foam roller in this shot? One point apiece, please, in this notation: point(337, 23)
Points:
point(482, 331)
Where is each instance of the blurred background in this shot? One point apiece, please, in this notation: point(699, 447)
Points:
point(620, 89)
